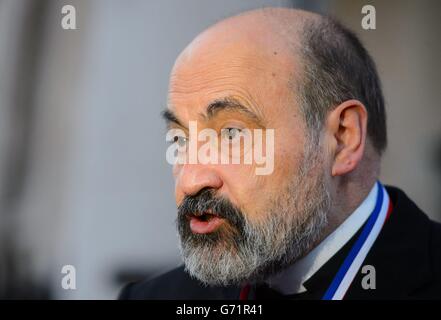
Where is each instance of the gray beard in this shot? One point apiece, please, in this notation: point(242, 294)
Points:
point(294, 224)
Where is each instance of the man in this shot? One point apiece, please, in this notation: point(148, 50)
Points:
point(320, 225)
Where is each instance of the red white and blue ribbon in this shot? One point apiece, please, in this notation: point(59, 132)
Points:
point(348, 270)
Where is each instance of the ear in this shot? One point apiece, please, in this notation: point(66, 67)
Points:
point(346, 130)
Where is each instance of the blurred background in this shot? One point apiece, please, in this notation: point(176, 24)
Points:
point(83, 176)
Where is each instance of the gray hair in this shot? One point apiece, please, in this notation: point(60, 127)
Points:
point(336, 68)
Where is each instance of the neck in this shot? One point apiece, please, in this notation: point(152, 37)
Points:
point(347, 194)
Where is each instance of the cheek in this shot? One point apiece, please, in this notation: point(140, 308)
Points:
point(254, 192)
point(289, 151)
point(287, 161)
point(242, 186)
point(240, 177)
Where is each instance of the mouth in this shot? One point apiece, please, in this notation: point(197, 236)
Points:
point(205, 222)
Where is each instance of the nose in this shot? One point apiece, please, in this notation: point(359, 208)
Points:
point(192, 178)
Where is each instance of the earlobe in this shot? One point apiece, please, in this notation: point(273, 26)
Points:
point(347, 126)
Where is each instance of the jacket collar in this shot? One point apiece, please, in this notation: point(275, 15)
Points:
point(400, 255)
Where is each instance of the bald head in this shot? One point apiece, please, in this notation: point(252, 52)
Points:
point(266, 29)
point(261, 39)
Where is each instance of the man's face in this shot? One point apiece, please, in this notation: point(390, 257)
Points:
point(235, 225)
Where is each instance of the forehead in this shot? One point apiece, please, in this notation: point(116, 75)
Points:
point(252, 71)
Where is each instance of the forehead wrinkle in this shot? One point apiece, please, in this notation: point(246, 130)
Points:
point(220, 90)
point(215, 75)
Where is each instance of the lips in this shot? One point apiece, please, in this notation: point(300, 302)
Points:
point(205, 222)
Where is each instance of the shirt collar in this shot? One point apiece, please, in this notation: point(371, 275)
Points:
point(291, 279)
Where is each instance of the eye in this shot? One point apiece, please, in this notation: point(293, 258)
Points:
point(231, 133)
point(181, 141)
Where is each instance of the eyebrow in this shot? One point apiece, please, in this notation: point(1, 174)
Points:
point(230, 104)
point(224, 104)
point(170, 118)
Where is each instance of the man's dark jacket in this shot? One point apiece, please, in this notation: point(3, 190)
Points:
point(406, 257)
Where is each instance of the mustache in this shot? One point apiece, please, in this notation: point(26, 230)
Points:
point(206, 201)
